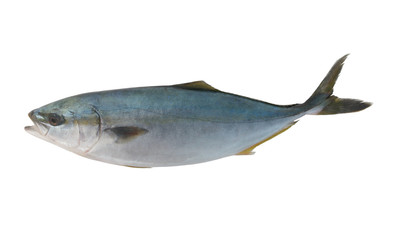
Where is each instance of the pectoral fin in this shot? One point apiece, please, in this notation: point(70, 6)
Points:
point(123, 134)
point(248, 151)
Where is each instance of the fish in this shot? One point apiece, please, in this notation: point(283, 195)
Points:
point(176, 125)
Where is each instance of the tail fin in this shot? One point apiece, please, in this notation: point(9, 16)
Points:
point(322, 101)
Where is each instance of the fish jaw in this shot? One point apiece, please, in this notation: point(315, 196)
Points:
point(38, 128)
point(34, 130)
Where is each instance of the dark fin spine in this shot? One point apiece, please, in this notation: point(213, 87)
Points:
point(197, 85)
point(322, 102)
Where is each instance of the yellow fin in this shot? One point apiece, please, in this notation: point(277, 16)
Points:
point(248, 151)
point(135, 167)
point(197, 85)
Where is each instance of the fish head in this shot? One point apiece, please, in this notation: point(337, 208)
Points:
point(68, 123)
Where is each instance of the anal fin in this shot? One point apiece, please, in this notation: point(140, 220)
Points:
point(249, 150)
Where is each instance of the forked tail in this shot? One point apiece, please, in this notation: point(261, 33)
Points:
point(322, 101)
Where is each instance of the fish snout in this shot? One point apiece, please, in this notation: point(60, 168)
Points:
point(31, 114)
point(35, 116)
point(37, 119)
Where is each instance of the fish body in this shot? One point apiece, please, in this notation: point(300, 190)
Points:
point(174, 125)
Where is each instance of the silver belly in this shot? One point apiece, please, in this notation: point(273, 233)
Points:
point(180, 141)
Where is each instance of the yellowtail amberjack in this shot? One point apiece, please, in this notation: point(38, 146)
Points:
point(175, 125)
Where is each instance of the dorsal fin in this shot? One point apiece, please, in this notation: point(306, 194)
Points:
point(197, 85)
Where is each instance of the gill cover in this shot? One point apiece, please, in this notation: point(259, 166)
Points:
point(89, 129)
point(73, 127)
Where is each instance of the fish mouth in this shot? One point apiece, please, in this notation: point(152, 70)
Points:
point(38, 129)
point(34, 130)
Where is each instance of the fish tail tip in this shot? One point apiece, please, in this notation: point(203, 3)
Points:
point(323, 102)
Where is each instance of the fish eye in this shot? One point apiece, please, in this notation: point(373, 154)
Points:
point(55, 119)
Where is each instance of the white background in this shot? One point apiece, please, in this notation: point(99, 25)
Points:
point(328, 177)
